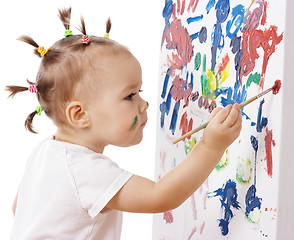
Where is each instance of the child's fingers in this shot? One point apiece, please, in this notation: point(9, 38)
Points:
point(232, 116)
point(223, 114)
point(214, 112)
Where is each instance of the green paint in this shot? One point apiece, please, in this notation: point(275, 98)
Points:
point(204, 63)
point(244, 171)
point(223, 162)
point(134, 123)
point(253, 78)
point(197, 61)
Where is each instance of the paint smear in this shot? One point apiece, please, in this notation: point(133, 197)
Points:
point(168, 217)
point(134, 123)
point(228, 198)
point(268, 139)
point(253, 78)
point(261, 121)
point(244, 171)
point(193, 231)
point(178, 39)
point(253, 205)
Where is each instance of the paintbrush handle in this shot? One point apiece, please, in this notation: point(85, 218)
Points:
point(243, 104)
point(188, 134)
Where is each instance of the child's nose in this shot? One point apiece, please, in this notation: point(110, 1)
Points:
point(143, 106)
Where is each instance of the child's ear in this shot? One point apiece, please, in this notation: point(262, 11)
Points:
point(76, 115)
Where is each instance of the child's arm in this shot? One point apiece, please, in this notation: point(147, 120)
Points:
point(142, 195)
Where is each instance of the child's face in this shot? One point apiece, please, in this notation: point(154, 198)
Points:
point(117, 112)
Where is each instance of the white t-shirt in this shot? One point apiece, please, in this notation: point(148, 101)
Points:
point(62, 193)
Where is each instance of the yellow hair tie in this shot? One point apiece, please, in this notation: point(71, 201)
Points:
point(42, 51)
point(106, 35)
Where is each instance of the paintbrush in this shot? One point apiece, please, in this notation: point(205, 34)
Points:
point(274, 88)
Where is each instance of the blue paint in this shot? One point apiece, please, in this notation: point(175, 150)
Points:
point(174, 119)
point(195, 35)
point(222, 10)
point(194, 19)
point(217, 38)
point(251, 200)
point(164, 108)
point(167, 11)
point(210, 5)
point(238, 96)
point(192, 80)
point(228, 198)
point(261, 121)
point(237, 20)
point(166, 80)
point(254, 143)
point(203, 35)
point(235, 44)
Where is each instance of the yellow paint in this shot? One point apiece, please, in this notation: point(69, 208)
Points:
point(225, 73)
point(211, 80)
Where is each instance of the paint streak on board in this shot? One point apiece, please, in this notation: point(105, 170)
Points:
point(253, 39)
point(253, 205)
point(178, 39)
point(261, 121)
point(168, 217)
point(228, 198)
point(193, 231)
point(268, 139)
point(193, 206)
point(254, 143)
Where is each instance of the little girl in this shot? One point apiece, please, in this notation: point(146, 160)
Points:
point(90, 87)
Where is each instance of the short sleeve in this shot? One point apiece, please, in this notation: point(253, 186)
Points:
point(96, 178)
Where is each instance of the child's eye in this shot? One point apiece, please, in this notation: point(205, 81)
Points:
point(130, 97)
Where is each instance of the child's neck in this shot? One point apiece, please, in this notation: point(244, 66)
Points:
point(65, 136)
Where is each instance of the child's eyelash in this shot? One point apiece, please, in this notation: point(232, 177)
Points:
point(129, 97)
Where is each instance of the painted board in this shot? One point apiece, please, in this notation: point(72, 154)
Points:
point(215, 53)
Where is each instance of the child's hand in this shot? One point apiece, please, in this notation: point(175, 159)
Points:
point(224, 127)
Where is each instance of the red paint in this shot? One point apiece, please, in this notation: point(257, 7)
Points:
point(268, 139)
point(179, 41)
point(277, 86)
point(193, 206)
point(193, 4)
point(168, 217)
point(223, 65)
point(179, 92)
point(263, 19)
point(185, 126)
point(253, 39)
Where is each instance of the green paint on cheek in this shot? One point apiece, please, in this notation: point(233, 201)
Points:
point(134, 123)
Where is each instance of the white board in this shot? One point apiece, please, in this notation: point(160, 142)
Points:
point(214, 53)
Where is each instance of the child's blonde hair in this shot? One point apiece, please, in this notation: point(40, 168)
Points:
point(63, 68)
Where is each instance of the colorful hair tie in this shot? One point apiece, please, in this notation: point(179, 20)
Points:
point(33, 89)
point(85, 39)
point(67, 33)
point(106, 35)
point(39, 109)
point(42, 51)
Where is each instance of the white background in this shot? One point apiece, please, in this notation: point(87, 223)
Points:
point(136, 24)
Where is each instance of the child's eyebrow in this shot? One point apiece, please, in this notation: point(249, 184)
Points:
point(131, 87)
